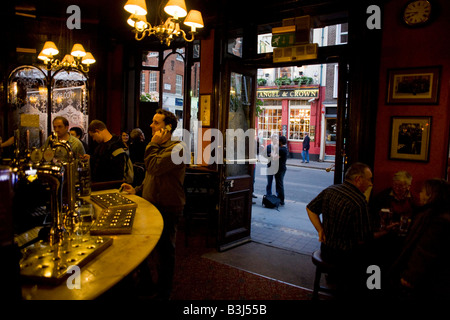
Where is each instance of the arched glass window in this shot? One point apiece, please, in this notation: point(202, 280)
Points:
point(28, 101)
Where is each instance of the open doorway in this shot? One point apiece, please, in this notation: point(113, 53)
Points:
point(307, 106)
point(295, 100)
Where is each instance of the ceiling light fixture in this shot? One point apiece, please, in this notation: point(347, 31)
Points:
point(77, 59)
point(168, 30)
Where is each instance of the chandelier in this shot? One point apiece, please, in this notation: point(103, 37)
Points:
point(77, 59)
point(168, 30)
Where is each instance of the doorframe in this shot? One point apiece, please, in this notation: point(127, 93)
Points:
point(227, 185)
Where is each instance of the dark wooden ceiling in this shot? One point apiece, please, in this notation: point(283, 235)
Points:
point(111, 16)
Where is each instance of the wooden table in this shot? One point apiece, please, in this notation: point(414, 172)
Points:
point(117, 261)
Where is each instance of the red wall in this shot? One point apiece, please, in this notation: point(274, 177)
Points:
point(404, 47)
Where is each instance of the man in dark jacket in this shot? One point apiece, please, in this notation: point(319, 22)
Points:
point(277, 152)
point(305, 152)
point(163, 187)
point(108, 158)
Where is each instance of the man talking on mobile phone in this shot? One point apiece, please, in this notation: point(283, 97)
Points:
point(163, 187)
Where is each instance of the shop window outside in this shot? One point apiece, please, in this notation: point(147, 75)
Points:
point(299, 123)
point(331, 130)
point(269, 121)
point(299, 120)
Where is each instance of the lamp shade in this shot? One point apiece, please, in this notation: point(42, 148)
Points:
point(138, 22)
point(50, 49)
point(194, 19)
point(176, 8)
point(43, 56)
point(78, 50)
point(88, 58)
point(137, 7)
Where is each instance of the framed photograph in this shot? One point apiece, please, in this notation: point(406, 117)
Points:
point(410, 138)
point(413, 85)
point(205, 109)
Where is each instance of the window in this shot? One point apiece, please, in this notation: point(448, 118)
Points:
point(299, 119)
point(149, 86)
point(320, 36)
point(269, 121)
point(330, 134)
point(142, 82)
point(180, 54)
point(150, 58)
point(235, 46)
point(179, 84)
point(342, 33)
point(152, 81)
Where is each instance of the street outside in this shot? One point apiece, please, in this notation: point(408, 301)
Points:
point(301, 185)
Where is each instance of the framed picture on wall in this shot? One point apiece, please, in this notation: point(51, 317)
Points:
point(410, 138)
point(413, 85)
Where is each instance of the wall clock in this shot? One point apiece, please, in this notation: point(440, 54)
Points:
point(417, 13)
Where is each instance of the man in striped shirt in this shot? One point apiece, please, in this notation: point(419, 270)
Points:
point(345, 229)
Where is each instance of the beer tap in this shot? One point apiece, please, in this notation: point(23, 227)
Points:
point(71, 215)
point(53, 174)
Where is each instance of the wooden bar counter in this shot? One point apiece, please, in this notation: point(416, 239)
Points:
point(112, 265)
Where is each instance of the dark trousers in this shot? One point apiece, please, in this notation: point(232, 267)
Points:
point(157, 271)
point(349, 275)
point(279, 184)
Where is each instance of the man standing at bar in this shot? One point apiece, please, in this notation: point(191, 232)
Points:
point(345, 232)
point(163, 187)
point(108, 158)
point(61, 128)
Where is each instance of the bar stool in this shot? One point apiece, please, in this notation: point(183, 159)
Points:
point(321, 267)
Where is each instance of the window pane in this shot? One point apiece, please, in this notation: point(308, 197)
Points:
point(299, 119)
point(150, 58)
point(194, 92)
point(326, 36)
point(235, 46)
point(269, 121)
point(149, 86)
point(173, 90)
point(179, 84)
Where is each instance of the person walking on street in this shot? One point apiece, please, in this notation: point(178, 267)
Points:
point(305, 152)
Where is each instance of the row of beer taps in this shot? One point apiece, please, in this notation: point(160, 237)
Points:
point(60, 177)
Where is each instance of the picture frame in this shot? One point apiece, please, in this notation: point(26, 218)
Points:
point(410, 138)
point(413, 85)
point(205, 110)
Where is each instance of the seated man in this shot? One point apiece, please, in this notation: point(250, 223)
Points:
point(345, 232)
point(108, 158)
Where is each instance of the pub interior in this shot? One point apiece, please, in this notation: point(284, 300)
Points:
point(46, 203)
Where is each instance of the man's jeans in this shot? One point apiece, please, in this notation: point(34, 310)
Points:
point(305, 155)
